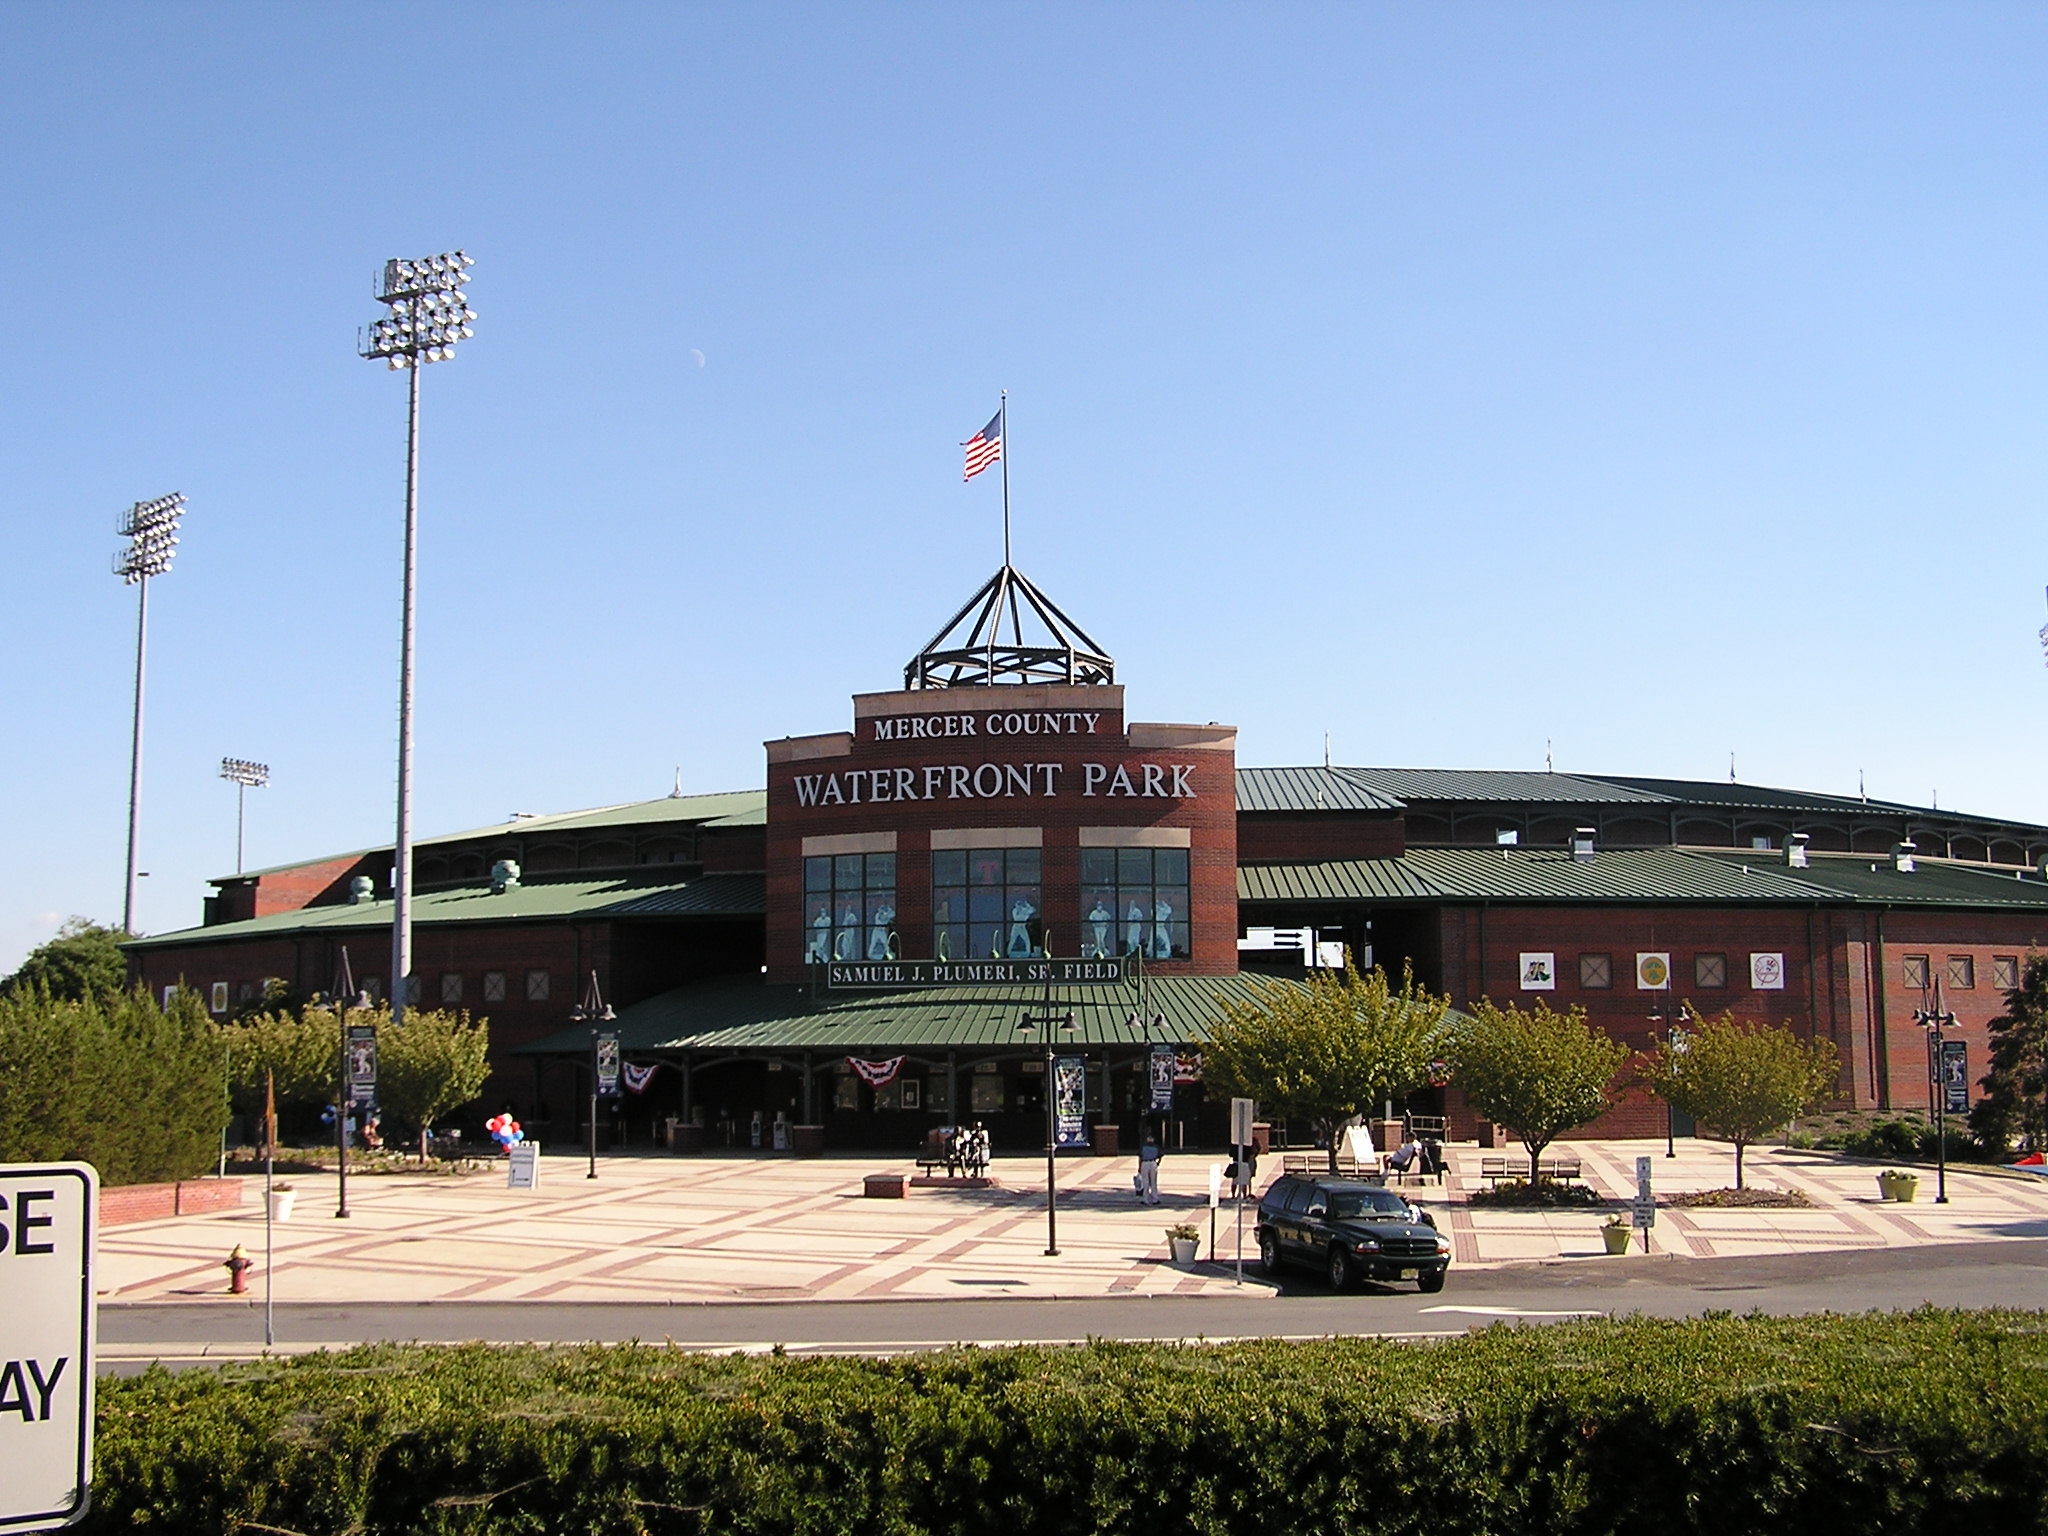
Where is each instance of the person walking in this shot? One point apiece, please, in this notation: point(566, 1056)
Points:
point(1148, 1170)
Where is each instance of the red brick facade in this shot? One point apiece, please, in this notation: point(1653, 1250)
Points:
point(1054, 760)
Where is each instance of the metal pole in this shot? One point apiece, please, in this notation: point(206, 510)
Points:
point(269, 1218)
point(1052, 1231)
point(401, 862)
point(135, 750)
point(341, 1106)
point(593, 1106)
point(1006, 488)
point(241, 803)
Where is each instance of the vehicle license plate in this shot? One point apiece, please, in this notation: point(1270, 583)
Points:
point(1410, 1274)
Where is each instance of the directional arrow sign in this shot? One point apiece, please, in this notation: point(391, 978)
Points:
point(47, 1215)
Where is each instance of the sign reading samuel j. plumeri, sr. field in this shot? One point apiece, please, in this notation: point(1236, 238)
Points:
point(47, 1215)
point(856, 975)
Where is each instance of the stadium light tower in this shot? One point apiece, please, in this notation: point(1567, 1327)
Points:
point(245, 776)
point(151, 529)
point(428, 316)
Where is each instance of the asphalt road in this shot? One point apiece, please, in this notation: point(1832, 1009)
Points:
point(2010, 1273)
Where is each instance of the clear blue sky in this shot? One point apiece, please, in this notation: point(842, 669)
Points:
point(1663, 381)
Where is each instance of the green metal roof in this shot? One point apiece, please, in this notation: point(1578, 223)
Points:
point(730, 808)
point(1634, 875)
point(747, 1015)
point(642, 895)
point(1307, 789)
point(1497, 786)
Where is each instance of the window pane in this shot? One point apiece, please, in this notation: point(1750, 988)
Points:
point(846, 872)
point(817, 874)
point(1916, 970)
point(1962, 972)
point(1596, 970)
point(948, 906)
point(1710, 970)
point(882, 871)
point(984, 942)
point(818, 930)
point(985, 867)
point(949, 867)
point(1170, 866)
point(985, 906)
point(1098, 866)
point(1134, 866)
point(1023, 866)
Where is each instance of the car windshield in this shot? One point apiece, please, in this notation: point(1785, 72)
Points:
point(1367, 1203)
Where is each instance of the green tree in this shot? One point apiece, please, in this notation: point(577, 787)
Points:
point(84, 960)
point(1538, 1072)
point(1741, 1080)
point(1324, 1051)
point(432, 1063)
point(134, 1089)
point(2014, 1089)
point(302, 1047)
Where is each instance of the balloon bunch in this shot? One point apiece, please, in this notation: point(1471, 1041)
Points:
point(504, 1130)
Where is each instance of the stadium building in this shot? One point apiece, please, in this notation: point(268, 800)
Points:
point(851, 947)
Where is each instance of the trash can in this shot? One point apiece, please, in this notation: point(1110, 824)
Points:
point(1107, 1140)
point(807, 1140)
point(1262, 1137)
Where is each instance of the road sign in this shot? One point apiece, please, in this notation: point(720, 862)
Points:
point(47, 1216)
point(523, 1165)
point(1241, 1112)
point(1643, 1166)
point(1642, 1212)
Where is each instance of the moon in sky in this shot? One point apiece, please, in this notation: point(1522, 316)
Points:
point(699, 356)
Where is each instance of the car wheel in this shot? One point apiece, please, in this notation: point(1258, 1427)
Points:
point(1431, 1281)
point(1269, 1252)
point(1340, 1269)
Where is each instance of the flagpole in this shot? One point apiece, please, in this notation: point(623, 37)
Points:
point(1005, 414)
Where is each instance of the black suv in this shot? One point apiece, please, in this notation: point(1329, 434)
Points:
point(1350, 1230)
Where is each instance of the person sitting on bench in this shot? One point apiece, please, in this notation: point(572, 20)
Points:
point(1404, 1158)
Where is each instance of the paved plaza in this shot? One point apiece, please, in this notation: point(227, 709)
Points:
point(758, 1228)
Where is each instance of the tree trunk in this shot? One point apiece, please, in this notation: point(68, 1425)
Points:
point(1738, 1165)
point(423, 1145)
point(1535, 1149)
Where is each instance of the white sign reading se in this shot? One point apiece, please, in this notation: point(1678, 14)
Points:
point(47, 1216)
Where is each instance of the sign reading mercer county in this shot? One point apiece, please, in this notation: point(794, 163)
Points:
point(47, 1215)
point(852, 975)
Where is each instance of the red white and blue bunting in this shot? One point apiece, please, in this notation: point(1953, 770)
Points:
point(637, 1078)
point(876, 1074)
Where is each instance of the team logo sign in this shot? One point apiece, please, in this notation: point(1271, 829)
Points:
point(1539, 972)
point(1767, 972)
point(1653, 972)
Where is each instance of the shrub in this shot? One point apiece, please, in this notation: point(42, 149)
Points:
point(1546, 1192)
point(117, 1082)
point(1930, 1422)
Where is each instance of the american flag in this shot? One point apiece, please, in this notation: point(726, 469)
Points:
point(985, 447)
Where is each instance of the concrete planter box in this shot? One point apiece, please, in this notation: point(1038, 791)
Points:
point(807, 1140)
point(885, 1186)
point(1108, 1140)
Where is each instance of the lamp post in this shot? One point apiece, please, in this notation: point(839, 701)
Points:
point(594, 1010)
point(428, 316)
point(1934, 1019)
point(151, 529)
point(1025, 1027)
point(346, 999)
point(245, 776)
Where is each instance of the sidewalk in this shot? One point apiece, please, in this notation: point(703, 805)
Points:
point(745, 1228)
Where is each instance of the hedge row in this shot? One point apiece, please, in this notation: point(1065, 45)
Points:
point(1928, 1422)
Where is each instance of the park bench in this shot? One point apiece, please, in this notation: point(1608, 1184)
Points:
point(939, 1152)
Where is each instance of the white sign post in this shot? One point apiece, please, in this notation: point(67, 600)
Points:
point(1643, 1209)
point(522, 1165)
point(47, 1365)
point(1241, 1112)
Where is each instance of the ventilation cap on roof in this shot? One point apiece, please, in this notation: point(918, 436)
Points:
point(361, 889)
point(504, 876)
point(1902, 856)
point(1582, 844)
point(1795, 849)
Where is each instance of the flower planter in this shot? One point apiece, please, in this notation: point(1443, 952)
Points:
point(1884, 1187)
point(1184, 1250)
point(1616, 1239)
point(281, 1203)
point(1906, 1188)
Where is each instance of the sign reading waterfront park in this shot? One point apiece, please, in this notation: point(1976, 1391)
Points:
point(855, 975)
point(46, 1345)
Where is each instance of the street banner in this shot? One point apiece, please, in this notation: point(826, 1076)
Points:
point(1955, 1077)
point(897, 975)
point(46, 1387)
point(362, 1066)
point(1164, 1064)
point(1070, 1101)
point(605, 1061)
